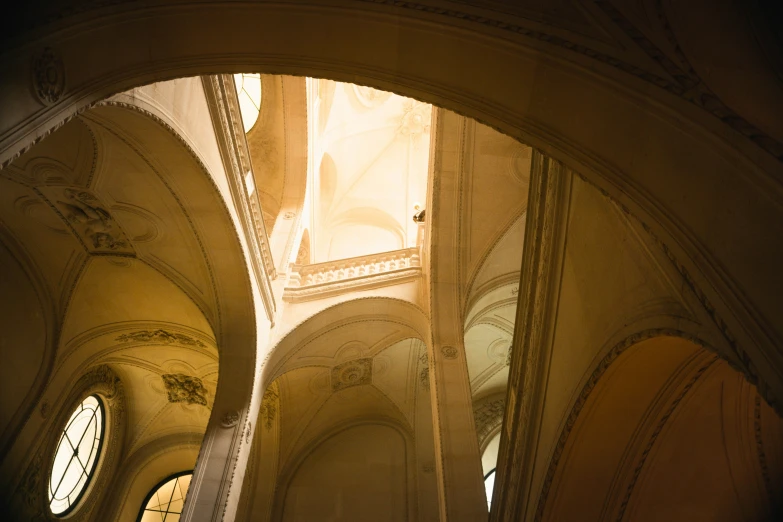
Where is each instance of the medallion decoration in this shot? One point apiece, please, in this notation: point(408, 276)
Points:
point(184, 388)
point(230, 419)
point(351, 373)
point(48, 77)
point(449, 352)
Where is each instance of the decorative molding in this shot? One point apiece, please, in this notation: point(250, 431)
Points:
point(160, 336)
point(230, 419)
point(550, 183)
point(351, 373)
point(424, 371)
point(587, 389)
point(184, 388)
point(449, 352)
point(269, 405)
point(488, 418)
point(226, 116)
point(741, 360)
point(214, 316)
point(658, 429)
point(48, 77)
point(761, 453)
point(320, 280)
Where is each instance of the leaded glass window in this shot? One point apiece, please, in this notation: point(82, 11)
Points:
point(76, 456)
point(249, 93)
point(165, 501)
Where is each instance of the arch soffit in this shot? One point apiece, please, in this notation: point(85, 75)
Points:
point(215, 229)
point(294, 158)
point(370, 309)
point(487, 278)
point(593, 379)
point(292, 466)
point(696, 138)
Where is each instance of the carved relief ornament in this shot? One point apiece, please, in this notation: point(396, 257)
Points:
point(89, 219)
point(184, 388)
point(351, 373)
point(48, 77)
point(160, 336)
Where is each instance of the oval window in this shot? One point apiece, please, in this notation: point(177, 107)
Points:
point(164, 503)
point(76, 456)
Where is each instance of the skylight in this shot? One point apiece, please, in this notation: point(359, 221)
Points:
point(367, 175)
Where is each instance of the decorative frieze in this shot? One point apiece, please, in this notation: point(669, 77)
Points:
point(160, 336)
point(321, 280)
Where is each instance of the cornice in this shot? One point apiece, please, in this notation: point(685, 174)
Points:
point(229, 133)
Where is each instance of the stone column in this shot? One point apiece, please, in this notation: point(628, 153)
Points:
point(457, 459)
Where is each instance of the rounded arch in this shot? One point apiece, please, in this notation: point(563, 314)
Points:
point(177, 491)
point(355, 311)
point(146, 468)
point(660, 415)
point(518, 78)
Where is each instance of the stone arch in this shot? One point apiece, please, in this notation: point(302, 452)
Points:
point(534, 87)
point(384, 309)
point(635, 411)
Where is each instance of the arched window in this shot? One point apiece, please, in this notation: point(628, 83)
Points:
point(489, 486)
point(76, 456)
point(164, 503)
point(489, 460)
point(249, 93)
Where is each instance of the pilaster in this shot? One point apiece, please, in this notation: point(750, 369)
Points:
point(457, 459)
point(515, 493)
